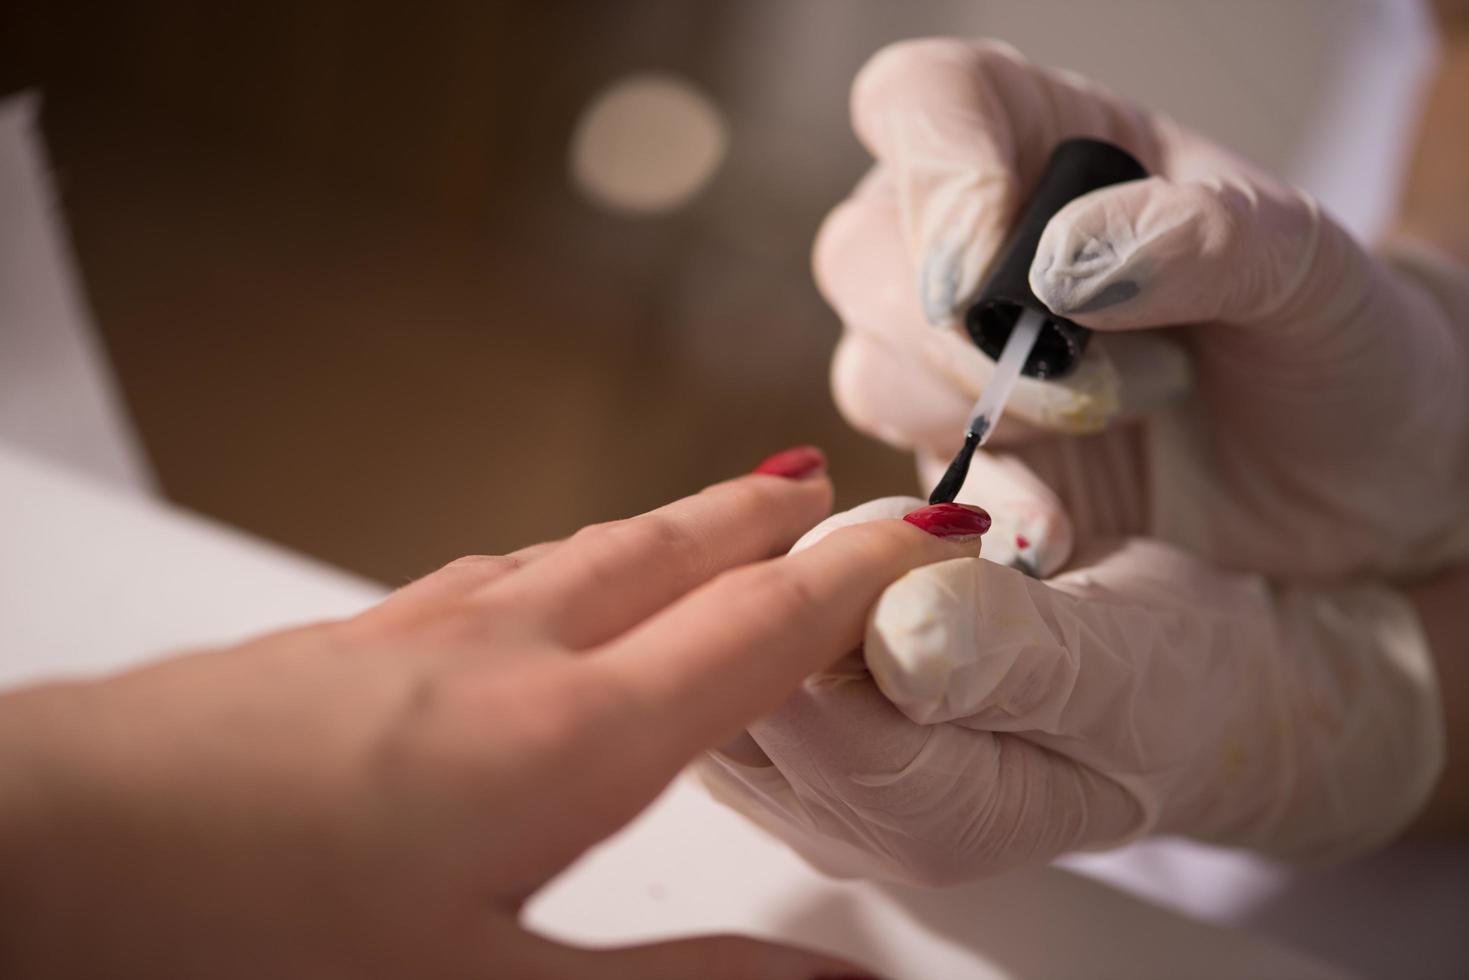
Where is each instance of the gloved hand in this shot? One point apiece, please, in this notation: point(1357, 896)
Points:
point(1006, 720)
point(1318, 426)
point(1326, 427)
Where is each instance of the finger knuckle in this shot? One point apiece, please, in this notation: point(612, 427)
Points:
point(605, 549)
point(773, 594)
point(439, 739)
point(676, 542)
point(921, 63)
point(750, 499)
point(916, 54)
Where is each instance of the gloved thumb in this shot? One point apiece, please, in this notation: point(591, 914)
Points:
point(1101, 666)
point(1156, 252)
point(1172, 679)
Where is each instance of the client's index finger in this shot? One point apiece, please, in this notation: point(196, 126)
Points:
point(608, 578)
point(735, 648)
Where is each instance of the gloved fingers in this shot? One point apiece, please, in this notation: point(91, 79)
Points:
point(937, 804)
point(1157, 252)
point(1138, 665)
point(761, 794)
point(890, 393)
point(912, 384)
point(861, 268)
point(1032, 530)
point(983, 645)
point(964, 127)
point(1100, 482)
point(1145, 691)
point(857, 252)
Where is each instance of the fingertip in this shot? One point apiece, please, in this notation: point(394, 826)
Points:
point(863, 265)
point(951, 521)
point(1081, 262)
point(840, 229)
point(1145, 253)
point(883, 508)
point(802, 462)
point(791, 488)
point(921, 70)
point(893, 395)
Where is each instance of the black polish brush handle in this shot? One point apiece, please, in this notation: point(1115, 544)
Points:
point(1077, 166)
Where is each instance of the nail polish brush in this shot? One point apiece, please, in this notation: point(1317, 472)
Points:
point(1006, 320)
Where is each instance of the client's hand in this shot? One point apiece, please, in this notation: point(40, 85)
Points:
point(378, 796)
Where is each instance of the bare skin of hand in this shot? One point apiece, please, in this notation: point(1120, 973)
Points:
point(379, 796)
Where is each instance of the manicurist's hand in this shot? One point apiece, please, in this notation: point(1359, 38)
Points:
point(1305, 416)
point(378, 796)
point(1197, 648)
point(997, 720)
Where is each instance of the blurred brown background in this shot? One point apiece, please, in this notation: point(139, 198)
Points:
point(357, 306)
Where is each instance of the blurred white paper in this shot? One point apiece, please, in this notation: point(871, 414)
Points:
point(57, 396)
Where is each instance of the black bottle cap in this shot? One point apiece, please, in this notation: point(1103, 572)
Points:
point(1077, 166)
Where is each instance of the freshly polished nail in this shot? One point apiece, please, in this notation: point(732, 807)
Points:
point(951, 520)
point(796, 463)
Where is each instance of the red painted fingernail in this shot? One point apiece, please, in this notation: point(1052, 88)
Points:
point(794, 464)
point(951, 520)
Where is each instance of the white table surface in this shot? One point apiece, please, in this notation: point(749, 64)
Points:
point(95, 579)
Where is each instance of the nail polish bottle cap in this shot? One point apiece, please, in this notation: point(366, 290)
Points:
point(1077, 166)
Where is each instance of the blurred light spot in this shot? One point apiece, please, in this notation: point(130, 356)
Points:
point(648, 143)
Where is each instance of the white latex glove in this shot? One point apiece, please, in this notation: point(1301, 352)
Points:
point(1006, 720)
point(1325, 432)
point(1326, 429)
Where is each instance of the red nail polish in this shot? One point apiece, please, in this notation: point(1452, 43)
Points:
point(951, 520)
point(794, 464)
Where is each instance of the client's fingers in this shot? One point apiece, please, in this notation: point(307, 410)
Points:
point(733, 649)
point(609, 577)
